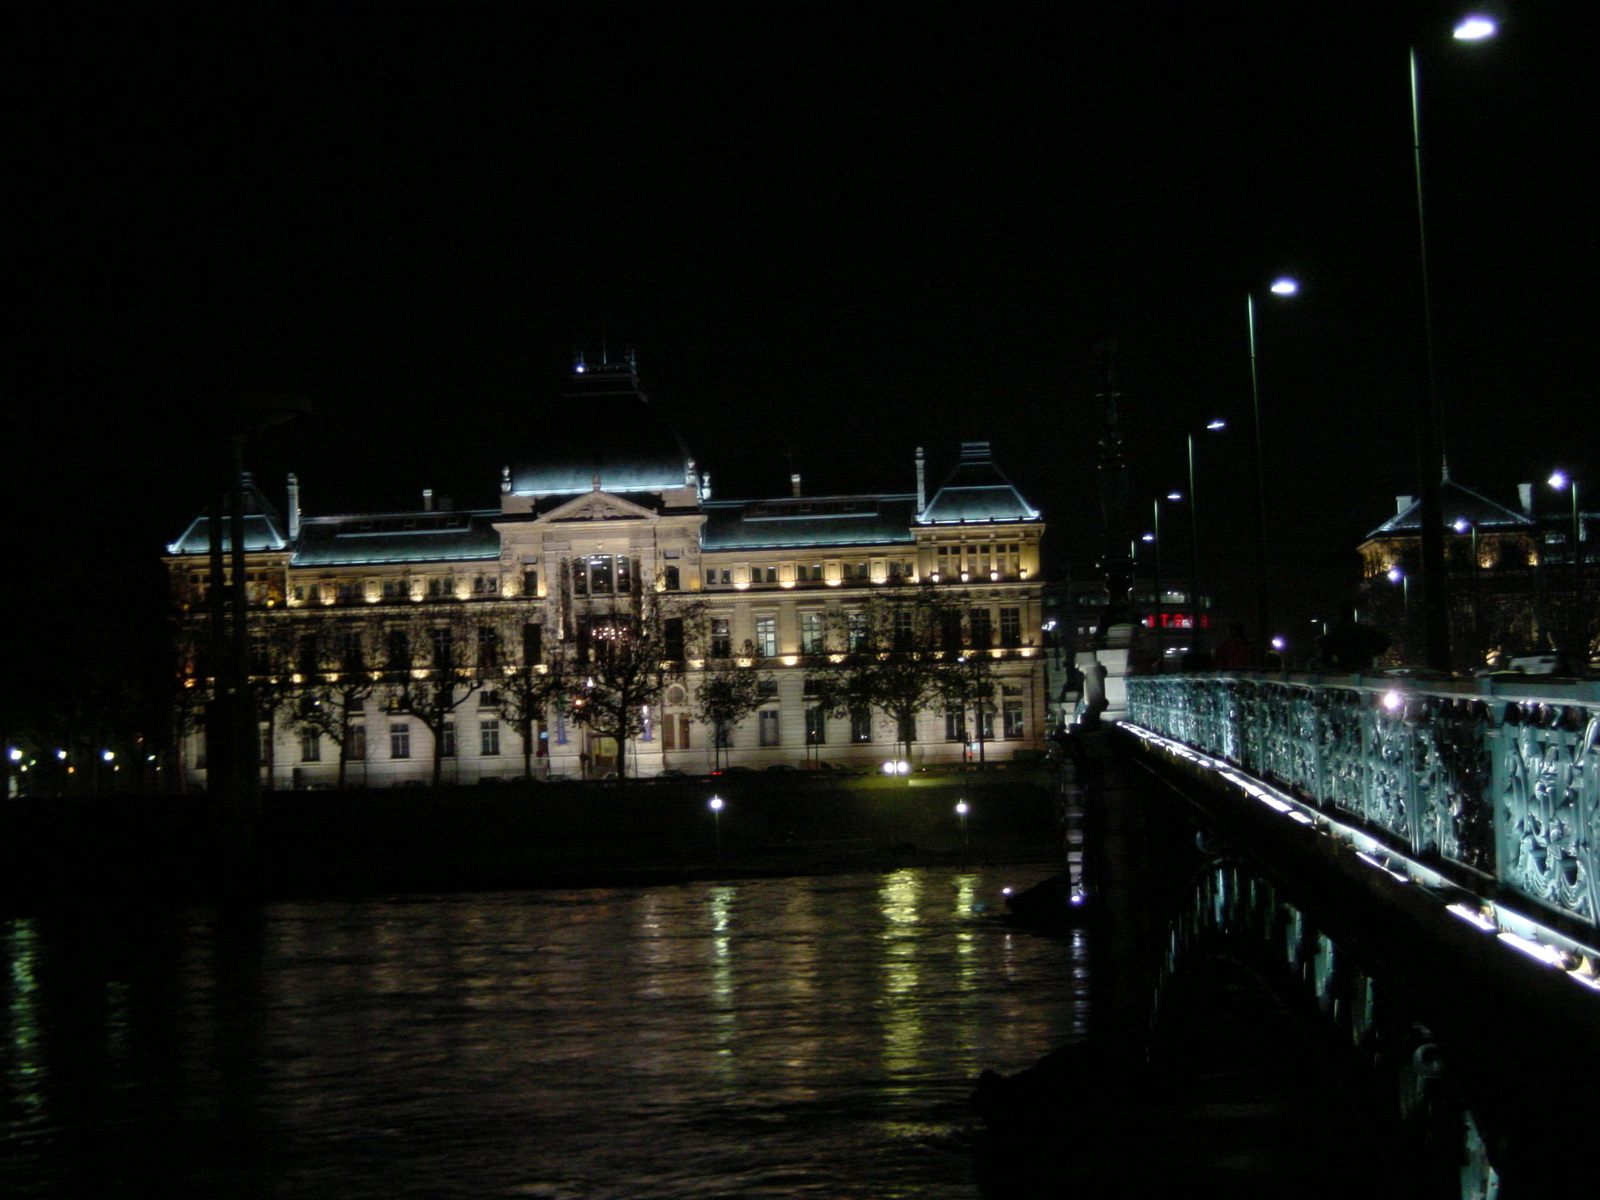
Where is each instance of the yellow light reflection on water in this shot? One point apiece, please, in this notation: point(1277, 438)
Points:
point(26, 1068)
point(899, 900)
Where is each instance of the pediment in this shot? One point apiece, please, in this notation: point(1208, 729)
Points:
point(597, 506)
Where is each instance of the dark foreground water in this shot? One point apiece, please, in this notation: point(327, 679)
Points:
point(772, 1038)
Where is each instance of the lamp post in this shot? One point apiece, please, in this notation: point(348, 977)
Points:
point(1462, 525)
point(1194, 535)
point(1157, 623)
point(1430, 415)
point(1283, 286)
point(715, 805)
point(1560, 481)
point(961, 814)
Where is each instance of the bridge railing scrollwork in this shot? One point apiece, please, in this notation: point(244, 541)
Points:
point(1502, 779)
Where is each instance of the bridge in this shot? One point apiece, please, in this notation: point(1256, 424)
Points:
point(1410, 870)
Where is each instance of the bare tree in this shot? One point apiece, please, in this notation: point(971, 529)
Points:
point(727, 694)
point(535, 676)
point(430, 669)
point(626, 647)
point(337, 685)
point(886, 653)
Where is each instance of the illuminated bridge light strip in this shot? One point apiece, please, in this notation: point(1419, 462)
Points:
point(1580, 961)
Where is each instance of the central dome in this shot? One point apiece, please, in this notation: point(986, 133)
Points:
point(608, 431)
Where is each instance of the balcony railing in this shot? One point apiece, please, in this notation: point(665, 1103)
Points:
point(1498, 780)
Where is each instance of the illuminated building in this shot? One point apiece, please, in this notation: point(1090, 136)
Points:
point(583, 521)
point(1517, 584)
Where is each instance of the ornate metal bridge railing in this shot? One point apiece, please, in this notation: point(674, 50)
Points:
point(1499, 781)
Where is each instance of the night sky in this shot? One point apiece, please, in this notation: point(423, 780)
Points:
point(831, 233)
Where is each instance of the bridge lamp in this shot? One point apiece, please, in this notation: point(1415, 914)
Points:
point(1475, 28)
point(1283, 287)
point(715, 805)
point(1212, 426)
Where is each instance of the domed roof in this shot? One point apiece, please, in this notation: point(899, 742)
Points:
point(977, 492)
point(605, 429)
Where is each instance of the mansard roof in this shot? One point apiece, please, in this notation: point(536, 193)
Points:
point(604, 428)
point(398, 538)
point(263, 527)
point(1459, 503)
point(808, 521)
point(976, 492)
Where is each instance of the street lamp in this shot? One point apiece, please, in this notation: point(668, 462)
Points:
point(1194, 533)
point(715, 805)
point(1154, 538)
point(1282, 286)
point(1560, 481)
point(961, 814)
point(1430, 426)
point(1396, 575)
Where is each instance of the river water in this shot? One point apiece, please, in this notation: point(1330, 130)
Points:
point(804, 1037)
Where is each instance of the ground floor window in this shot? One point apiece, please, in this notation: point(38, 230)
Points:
point(400, 740)
point(488, 738)
point(816, 727)
point(447, 740)
point(769, 726)
point(861, 725)
point(311, 746)
point(1013, 719)
point(356, 743)
point(955, 726)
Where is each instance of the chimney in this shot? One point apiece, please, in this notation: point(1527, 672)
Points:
point(922, 483)
point(294, 507)
point(1525, 494)
point(427, 499)
point(1401, 503)
point(794, 483)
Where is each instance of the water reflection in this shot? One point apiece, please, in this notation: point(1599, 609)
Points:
point(782, 1038)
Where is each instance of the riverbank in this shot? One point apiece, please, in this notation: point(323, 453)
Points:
point(544, 835)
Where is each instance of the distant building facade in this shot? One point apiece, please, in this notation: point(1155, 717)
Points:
point(1522, 580)
point(584, 527)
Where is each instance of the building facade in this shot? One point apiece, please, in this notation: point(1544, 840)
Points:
point(427, 634)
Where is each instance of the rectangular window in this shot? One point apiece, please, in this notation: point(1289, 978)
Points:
point(356, 743)
point(400, 740)
point(904, 630)
point(488, 738)
point(955, 726)
point(672, 639)
point(624, 575)
point(727, 574)
point(770, 575)
point(767, 689)
point(600, 580)
point(530, 581)
point(311, 746)
point(396, 589)
point(769, 726)
point(488, 647)
point(1013, 718)
point(447, 740)
point(950, 630)
point(711, 576)
point(670, 578)
point(724, 734)
point(683, 733)
point(766, 637)
point(489, 698)
point(532, 645)
point(1011, 628)
point(861, 725)
point(982, 625)
point(442, 643)
point(907, 729)
point(812, 638)
point(397, 650)
point(438, 587)
point(721, 638)
point(860, 636)
point(816, 727)
point(669, 734)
